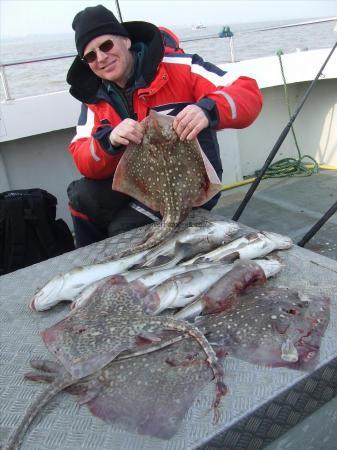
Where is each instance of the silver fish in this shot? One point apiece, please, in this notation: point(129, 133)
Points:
point(67, 285)
point(182, 289)
point(192, 241)
point(239, 276)
point(250, 246)
point(149, 277)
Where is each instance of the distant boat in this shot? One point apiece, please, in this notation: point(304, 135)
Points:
point(198, 27)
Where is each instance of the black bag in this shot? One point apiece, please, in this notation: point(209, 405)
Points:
point(29, 232)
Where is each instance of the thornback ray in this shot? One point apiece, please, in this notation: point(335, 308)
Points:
point(165, 174)
point(149, 394)
point(276, 327)
point(116, 319)
point(271, 326)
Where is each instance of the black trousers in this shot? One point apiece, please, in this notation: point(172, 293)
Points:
point(108, 212)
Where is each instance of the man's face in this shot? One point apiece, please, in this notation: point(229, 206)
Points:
point(115, 65)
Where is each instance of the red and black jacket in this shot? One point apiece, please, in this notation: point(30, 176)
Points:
point(164, 82)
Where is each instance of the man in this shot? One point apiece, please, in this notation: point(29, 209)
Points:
point(120, 73)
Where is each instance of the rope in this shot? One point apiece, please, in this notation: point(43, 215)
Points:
point(288, 167)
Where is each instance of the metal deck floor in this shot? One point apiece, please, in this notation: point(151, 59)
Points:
point(290, 206)
point(262, 402)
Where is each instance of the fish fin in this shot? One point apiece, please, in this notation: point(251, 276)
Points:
point(39, 377)
point(46, 365)
point(46, 371)
point(184, 249)
point(201, 260)
point(230, 258)
point(145, 338)
point(159, 261)
point(88, 366)
point(213, 184)
point(90, 393)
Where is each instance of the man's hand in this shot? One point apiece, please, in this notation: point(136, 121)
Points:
point(127, 131)
point(189, 122)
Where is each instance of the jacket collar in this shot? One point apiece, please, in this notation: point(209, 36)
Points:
point(84, 84)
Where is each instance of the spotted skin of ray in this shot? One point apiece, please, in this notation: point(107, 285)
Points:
point(149, 394)
point(90, 337)
point(270, 326)
point(165, 174)
point(115, 319)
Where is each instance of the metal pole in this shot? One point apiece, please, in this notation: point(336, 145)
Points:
point(119, 11)
point(313, 230)
point(231, 46)
point(279, 142)
point(4, 83)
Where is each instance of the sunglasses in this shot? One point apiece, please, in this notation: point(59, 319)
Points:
point(105, 47)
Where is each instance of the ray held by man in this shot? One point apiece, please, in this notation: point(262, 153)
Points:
point(165, 174)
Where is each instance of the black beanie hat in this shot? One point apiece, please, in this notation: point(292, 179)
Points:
point(92, 22)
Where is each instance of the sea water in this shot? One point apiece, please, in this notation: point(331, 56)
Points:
point(50, 76)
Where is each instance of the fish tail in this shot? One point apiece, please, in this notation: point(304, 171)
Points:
point(212, 359)
point(221, 390)
point(15, 440)
point(155, 239)
point(215, 366)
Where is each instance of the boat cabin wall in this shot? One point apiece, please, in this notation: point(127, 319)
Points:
point(244, 151)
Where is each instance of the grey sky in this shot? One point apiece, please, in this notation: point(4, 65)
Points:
point(25, 17)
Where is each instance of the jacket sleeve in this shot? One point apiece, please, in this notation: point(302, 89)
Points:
point(91, 149)
point(229, 101)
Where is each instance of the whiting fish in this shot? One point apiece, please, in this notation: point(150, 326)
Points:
point(250, 246)
point(185, 244)
point(67, 285)
point(221, 293)
point(149, 277)
point(191, 241)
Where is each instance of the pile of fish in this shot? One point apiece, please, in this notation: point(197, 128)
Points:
point(148, 331)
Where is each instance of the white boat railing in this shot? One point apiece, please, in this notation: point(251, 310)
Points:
point(225, 33)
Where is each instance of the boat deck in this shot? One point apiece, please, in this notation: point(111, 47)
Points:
point(262, 402)
point(290, 206)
